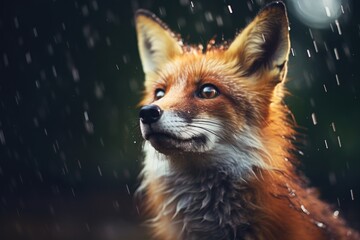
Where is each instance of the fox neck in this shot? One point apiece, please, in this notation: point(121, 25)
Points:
point(209, 200)
point(208, 204)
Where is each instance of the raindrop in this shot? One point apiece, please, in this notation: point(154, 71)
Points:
point(200, 28)
point(79, 163)
point(125, 59)
point(312, 102)
point(293, 52)
point(6, 60)
point(85, 10)
point(249, 4)
point(95, 5)
point(338, 26)
point(184, 2)
point(327, 10)
point(337, 80)
point(108, 41)
point(99, 90)
point(28, 57)
point(116, 205)
point(181, 22)
point(54, 71)
point(35, 32)
point(336, 54)
point(308, 53)
point(37, 84)
point(333, 126)
point(352, 194)
point(86, 116)
point(38, 173)
point(209, 17)
point(311, 34)
point(127, 189)
point(89, 127)
point(230, 9)
point(54, 148)
point(339, 141)
point(16, 22)
point(36, 122)
point(50, 49)
point(313, 117)
point(2, 137)
point(326, 144)
point(20, 177)
point(336, 214)
point(326, 47)
point(99, 170)
point(219, 21)
point(52, 210)
point(315, 46)
point(75, 74)
point(17, 98)
point(87, 227)
point(332, 178)
point(162, 11)
point(325, 89)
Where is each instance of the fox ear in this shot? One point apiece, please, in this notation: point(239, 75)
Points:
point(264, 42)
point(157, 44)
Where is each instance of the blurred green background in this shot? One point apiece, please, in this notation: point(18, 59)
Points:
point(70, 80)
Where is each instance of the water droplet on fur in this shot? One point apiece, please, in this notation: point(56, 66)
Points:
point(320, 224)
point(304, 210)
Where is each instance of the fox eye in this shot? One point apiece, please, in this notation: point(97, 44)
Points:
point(208, 91)
point(159, 93)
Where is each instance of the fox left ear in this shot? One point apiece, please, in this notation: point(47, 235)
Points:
point(264, 43)
point(157, 44)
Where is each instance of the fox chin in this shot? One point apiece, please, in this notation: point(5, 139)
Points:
point(219, 140)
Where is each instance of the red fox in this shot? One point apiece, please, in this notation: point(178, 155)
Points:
point(218, 151)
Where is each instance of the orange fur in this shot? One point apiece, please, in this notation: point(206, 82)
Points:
point(200, 189)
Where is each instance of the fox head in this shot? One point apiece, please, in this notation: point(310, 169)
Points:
point(212, 104)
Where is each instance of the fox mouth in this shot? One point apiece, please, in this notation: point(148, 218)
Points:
point(170, 144)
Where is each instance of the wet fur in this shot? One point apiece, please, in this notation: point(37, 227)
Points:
point(244, 185)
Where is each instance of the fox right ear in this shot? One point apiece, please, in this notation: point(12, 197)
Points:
point(264, 42)
point(157, 44)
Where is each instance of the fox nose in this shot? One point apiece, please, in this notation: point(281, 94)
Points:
point(150, 113)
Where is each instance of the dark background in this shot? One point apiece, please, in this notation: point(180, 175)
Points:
point(70, 80)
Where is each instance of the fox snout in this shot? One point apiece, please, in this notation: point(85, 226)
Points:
point(150, 114)
point(172, 133)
